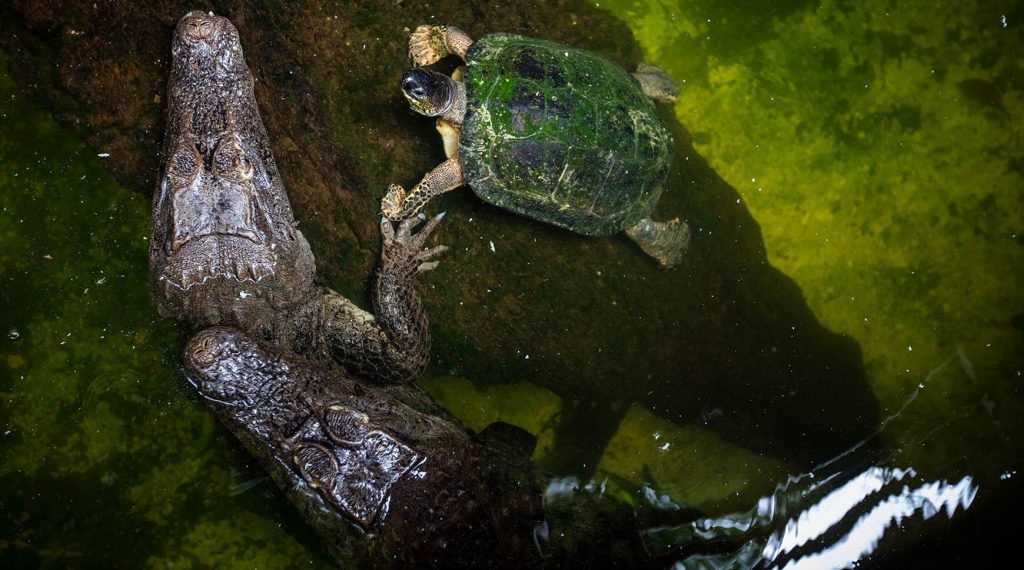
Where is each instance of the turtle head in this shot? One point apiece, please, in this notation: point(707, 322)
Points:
point(428, 92)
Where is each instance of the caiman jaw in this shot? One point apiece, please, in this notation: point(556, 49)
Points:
point(213, 198)
point(197, 274)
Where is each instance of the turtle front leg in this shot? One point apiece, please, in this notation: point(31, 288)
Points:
point(399, 205)
point(430, 43)
point(393, 344)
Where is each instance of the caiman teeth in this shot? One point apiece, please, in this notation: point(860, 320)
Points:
point(254, 272)
point(236, 270)
point(242, 272)
point(190, 278)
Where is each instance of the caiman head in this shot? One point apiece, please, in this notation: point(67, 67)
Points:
point(224, 246)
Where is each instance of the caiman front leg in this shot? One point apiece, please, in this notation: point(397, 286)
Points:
point(399, 205)
point(394, 345)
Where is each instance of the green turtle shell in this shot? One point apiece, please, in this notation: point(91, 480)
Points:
point(560, 135)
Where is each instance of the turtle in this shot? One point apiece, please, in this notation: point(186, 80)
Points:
point(555, 133)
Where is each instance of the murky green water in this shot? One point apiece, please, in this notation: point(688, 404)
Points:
point(877, 144)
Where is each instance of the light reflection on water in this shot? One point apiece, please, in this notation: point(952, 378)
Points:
point(927, 499)
point(830, 517)
point(809, 523)
point(834, 516)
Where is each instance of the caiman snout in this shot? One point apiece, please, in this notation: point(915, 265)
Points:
point(199, 26)
point(206, 347)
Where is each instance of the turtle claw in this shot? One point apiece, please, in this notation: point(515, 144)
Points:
point(426, 45)
point(667, 242)
point(656, 83)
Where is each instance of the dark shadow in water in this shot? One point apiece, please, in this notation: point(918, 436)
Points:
point(724, 340)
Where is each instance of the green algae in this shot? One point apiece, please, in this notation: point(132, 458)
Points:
point(690, 464)
point(241, 540)
point(525, 405)
point(878, 145)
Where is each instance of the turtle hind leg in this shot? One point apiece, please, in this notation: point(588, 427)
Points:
point(665, 241)
point(656, 83)
point(430, 43)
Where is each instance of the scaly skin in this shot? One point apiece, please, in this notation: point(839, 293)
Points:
point(384, 459)
point(445, 177)
point(225, 249)
point(400, 351)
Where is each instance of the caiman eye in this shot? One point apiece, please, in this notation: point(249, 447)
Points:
point(231, 161)
point(184, 164)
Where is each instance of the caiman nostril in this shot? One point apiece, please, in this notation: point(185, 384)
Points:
point(200, 28)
